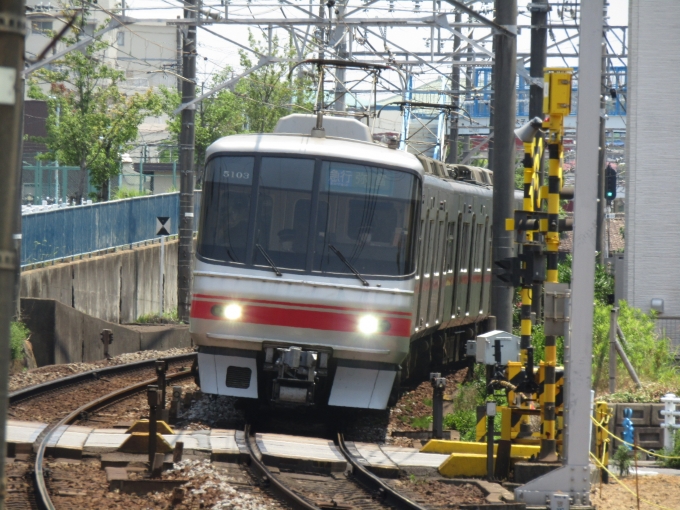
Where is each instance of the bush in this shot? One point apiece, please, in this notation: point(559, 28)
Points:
point(171, 317)
point(673, 452)
point(129, 193)
point(650, 355)
point(18, 332)
point(465, 402)
point(622, 460)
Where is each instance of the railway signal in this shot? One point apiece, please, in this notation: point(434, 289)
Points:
point(610, 183)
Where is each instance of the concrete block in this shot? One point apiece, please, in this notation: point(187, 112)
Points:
point(128, 287)
point(170, 289)
point(68, 335)
point(38, 315)
point(649, 438)
point(147, 262)
point(655, 418)
point(527, 471)
point(163, 337)
point(641, 414)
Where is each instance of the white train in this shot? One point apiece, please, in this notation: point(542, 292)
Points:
point(329, 267)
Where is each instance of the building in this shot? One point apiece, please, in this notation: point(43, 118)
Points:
point(652, 205)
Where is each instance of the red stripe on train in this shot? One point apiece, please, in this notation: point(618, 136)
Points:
point(304, 305)
point(306, 319)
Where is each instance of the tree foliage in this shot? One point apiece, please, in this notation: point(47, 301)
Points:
point(90, 122)
point(254, 105)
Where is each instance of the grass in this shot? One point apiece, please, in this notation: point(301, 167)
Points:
point(18, 333)
point(171, 317)
point(129, 193)
point(422, 422)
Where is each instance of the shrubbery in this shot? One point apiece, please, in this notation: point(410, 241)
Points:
point(17, 334)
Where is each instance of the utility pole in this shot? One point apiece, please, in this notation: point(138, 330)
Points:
point(179, 58)
point(452, 157)
point(12, 33)
point(599, 236)
point(539, 48)
point(504, 102)
point(186, 168)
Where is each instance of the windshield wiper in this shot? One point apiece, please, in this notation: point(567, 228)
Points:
point(271, 262)
point(347, 263)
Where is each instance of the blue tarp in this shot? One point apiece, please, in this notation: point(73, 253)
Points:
point(75, 230)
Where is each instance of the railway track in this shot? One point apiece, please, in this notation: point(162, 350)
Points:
point(355, 487)
point(80, 388)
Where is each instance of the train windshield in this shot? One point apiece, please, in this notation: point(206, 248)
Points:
point(308, 215)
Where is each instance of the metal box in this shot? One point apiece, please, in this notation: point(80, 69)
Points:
point(485, 345)
point(559, 502)
point(556, 313)
point(557, 91)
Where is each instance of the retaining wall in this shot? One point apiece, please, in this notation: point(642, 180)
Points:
point(61, 334)
point(117, 287)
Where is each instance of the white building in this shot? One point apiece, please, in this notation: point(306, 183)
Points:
point(652, 203)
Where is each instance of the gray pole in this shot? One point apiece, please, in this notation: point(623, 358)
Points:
point(186, 168)
point(574, 477)
point(539, 40)
point(612, 349)
point(599, 244)
point(504, 102)
point(11, 65)
point(179, 58)
point(452, 157)
point(19, 194)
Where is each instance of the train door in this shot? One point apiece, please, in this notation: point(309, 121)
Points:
point(476, 269)
point(429, 266)
point(423, 273)
point(448, 312)
point(462, 274)
point(444, 264)
point(435, 276)
point(486, 274)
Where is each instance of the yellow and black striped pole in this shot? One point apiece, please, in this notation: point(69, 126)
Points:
point(557, 104)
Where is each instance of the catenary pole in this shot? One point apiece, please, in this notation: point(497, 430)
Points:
point(452, 156)
point(12, 33)
point(599, 239)
point(503, 155)
point(539, 49)
point(574, 477)
point(186, 166)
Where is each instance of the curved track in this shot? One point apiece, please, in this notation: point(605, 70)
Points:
point(42, 498)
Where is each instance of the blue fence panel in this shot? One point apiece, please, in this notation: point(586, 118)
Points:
point(72, 231)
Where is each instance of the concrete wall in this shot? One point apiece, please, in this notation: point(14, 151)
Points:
point(61, 334)
point(652, 205)
point(117, 287)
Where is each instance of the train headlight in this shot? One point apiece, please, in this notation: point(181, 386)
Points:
point(233, 312)
point(369, 325)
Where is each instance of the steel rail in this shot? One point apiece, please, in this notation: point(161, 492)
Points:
point(38, 389)
point(371, 481)
point(42, 494)
point(293, 499)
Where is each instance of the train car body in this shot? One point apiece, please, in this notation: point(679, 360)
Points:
point(327, 268)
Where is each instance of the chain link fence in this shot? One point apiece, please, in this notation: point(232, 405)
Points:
point(48, 182)
point(669, 327)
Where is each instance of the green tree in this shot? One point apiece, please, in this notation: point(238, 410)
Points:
point(269, 93)
point(90, 122)
point(257, 102)
point(217, 116)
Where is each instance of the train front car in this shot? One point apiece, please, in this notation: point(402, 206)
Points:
point(305, 266)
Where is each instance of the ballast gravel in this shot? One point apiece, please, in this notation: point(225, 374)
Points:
point(51, 372)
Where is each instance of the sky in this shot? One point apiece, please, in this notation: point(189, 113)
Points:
point(215, 54)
